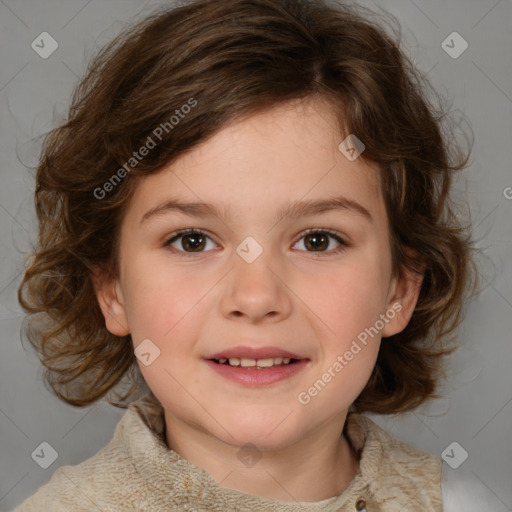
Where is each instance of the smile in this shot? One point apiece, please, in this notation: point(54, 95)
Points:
point(246, 362)
point(257, 372)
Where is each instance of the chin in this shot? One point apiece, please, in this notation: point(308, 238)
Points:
point(264, 430)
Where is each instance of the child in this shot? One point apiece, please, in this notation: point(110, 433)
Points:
point(248, 210)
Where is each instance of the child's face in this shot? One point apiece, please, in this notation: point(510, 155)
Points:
point(192, 305)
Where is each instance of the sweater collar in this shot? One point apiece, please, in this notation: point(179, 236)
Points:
point(142, 431)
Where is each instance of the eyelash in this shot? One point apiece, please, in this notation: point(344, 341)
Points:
point(195, 231)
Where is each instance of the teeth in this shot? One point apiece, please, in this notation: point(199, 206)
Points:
point(246, 362)
point(265, 363)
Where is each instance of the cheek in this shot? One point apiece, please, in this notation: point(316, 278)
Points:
point(344, 317)
point(347, 299)
point(165, 307)
point(161, 299)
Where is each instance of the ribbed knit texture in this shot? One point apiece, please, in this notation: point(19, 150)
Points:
point(136, 471)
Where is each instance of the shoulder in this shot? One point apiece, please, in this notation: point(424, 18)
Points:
point(381, 449)
point(105, 478)
point(398, 474)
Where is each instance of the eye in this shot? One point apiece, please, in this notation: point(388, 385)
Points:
point(318, 240)
point(193, 241)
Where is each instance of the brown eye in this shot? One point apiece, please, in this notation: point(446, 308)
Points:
point(316, 240)
point(192, 241)
point(195, 242)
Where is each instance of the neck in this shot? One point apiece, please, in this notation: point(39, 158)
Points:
point(316, 467)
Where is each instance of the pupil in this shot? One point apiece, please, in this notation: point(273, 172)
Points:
point(195, 244)
point(315, 240)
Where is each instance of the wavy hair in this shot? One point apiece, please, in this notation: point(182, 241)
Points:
point(235, 58)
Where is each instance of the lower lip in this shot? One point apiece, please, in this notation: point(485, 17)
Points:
point(255, 377)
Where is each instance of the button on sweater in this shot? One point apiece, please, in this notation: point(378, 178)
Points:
point(136, 471)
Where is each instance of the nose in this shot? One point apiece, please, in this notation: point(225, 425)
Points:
point(256, 290)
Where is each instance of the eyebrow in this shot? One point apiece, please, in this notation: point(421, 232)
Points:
point(290, 210)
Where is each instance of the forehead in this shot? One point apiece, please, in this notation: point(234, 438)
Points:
point(285, 153)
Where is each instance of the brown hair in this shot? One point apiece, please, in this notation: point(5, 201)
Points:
point(230, 59)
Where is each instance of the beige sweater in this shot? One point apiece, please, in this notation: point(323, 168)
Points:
point(136, 471)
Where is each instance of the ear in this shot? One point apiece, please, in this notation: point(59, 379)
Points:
point(111, 301)
point(404, 292)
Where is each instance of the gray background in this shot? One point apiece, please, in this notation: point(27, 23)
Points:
point(476, 410)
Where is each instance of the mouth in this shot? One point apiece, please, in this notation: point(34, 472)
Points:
point(255, 367)
point(258, 364)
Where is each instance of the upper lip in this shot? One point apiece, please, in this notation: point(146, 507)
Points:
point(254, 353)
